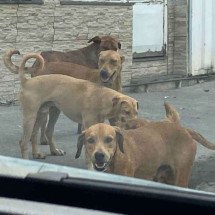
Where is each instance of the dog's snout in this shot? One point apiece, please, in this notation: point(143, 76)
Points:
point(99, 156)
point(104, 74)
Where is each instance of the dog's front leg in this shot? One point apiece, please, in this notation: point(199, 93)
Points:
point(53, 117)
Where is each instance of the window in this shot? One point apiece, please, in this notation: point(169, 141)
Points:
point(149, 30)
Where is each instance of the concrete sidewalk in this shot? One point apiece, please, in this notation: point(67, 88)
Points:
point(195, 104)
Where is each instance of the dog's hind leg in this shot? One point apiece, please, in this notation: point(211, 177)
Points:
point(183, 176)
point(53, 117)
point(28, 125)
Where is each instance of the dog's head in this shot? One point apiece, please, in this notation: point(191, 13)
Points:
point(125, 108)
point(106, 43)
point(101, 142)
point(110, 65)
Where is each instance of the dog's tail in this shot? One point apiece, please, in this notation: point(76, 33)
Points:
point(173, 116)
point(8, 62)
point(11, 66)
point(171, 113)
point(200, 139)
point(22, 70)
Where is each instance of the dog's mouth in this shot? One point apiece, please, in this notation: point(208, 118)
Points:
point(101, 167)
point(108, 79)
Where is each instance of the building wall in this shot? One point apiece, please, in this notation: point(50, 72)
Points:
point(51, 26)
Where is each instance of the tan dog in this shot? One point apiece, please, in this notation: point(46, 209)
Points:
point(87, 56)
point(108, 74)
point(140, 152)
point(82, 101)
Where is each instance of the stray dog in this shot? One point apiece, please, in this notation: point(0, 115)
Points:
point(140, 152)
point(80, 100)
point(87, 56)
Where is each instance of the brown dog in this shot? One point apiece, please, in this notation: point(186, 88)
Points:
point(108, 74)
point(82, 101)
point(140, 152)
point(87, 56)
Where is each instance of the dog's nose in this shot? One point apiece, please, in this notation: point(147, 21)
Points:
point(99, 156)
point(104, 74)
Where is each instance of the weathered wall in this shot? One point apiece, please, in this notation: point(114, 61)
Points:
point(178, 11)
point(28, 28)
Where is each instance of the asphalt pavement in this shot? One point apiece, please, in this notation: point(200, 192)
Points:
point(195, 104)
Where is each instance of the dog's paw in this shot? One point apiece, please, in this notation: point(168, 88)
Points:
point(44, 142)
point(39, 156)
point(58, 152)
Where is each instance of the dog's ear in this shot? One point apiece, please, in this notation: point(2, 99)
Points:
point(80, 144)
point(122, 58)
point(115, 100)
point(119, 138)
point(95, 39)
point(119, 45)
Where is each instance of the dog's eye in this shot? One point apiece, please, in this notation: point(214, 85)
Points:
point(113, 61)
point(90, 140)
point(108, 140)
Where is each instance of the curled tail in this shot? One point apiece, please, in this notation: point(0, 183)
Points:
point(8, 62)
point(22, 70)
point(171, 113)
point(200, 139)
point(173, 116)
point(11, 66)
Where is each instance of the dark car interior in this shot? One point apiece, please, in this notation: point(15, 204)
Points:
point(104, 196)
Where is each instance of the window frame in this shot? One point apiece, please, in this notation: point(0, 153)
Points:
point(154, 55)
